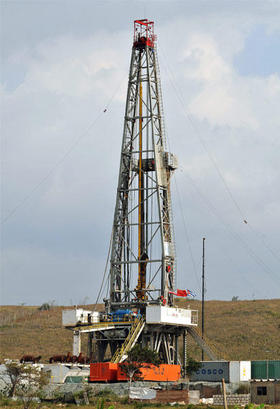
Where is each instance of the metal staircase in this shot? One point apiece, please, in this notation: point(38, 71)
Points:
point(135, 331)
point(201, 342)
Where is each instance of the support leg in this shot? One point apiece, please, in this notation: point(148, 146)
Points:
point(76, 343)
point(89, 349)
point(185, 356)
point(176, 350)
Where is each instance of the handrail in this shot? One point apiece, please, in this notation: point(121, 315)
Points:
point(101, 325)
point(132, 337)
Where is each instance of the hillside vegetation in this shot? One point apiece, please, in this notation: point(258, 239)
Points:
point(236, 330)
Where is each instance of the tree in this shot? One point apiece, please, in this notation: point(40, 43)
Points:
point(143, 355)
point(138, 357)
point(44, 307)
point(192, 366)
point(132, 370)
point(24, 381)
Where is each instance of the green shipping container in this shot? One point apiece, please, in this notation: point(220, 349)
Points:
point(265, 370)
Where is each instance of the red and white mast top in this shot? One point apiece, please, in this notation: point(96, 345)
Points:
point(144, 34)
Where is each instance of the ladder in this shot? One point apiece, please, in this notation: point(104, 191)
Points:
point(163, 131)
point(160, 101)
point(133, 335)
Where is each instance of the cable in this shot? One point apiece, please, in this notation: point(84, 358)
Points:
point(46, 177)
point(187, 235)
point(272, 251)
point(197, 132)
point(187, 115)
point(62, 159)
point(104, 274)
point(235, 235)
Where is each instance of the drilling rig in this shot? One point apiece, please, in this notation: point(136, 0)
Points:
point(140, 307)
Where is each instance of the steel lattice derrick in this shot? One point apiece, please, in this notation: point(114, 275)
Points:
point(142, 260)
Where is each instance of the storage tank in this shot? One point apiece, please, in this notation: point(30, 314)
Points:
point(57, 372)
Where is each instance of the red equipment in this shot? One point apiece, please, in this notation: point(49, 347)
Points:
point(103, 372)
point(109, 372)
point(144, 34)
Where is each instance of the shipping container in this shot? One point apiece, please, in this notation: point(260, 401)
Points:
point(212, 371)
point(265, 369)
point(71, 318)
point(234, 371)
point(215, 371)
point(245, 371)
point(162, 373)
point(103, 372)
point(156, 314)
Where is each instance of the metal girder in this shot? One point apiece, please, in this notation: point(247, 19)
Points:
point(146, 162)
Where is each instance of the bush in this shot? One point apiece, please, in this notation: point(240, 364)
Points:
point(24, 382)
point(192, 365)
point(45, 307)
point(105, 393)
point(242, 389)
point(100, 405)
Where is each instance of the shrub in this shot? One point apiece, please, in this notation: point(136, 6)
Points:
point(243, 388)
point(44, 307)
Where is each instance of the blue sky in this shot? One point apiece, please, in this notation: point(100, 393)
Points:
point(62, 63)
point(259, 56)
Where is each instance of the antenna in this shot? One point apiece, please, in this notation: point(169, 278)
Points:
point(203, 290)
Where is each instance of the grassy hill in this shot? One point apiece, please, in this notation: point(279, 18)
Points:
point(237, 330)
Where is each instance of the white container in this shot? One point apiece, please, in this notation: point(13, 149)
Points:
point(95, 317)
point(74, 373)
point(57, 372)
point(158, 314)
point(78, 316)
point(234, 372)
point(171, 160)
point(245, 371)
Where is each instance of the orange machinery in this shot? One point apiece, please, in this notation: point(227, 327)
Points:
point(162, 373)
point(103, 372)
point(109, 372)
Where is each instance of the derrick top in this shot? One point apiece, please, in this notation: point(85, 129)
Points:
point(143, 34)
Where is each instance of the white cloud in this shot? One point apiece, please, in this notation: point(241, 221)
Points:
point(68, 79)
point(225, 98)
point(72, 67)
